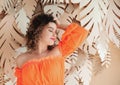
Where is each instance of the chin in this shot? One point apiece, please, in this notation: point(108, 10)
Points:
point(51, 43)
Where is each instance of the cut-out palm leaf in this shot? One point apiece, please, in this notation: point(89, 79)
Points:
point(10, 39)
point(96, 62)
point(70, 62)
point(44, 2)
point(91, 16)
point(1, 5)
point(56, 10)
point(11, 6)
point(22, 20)
point(85, 67)
point(112, 20)
point(29, 7)
point(107, 60)
point(71, 71)
point(86, 72)
point(80, 71)
point(102, 45)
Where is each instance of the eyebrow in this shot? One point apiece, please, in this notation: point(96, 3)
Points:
point(51, 28)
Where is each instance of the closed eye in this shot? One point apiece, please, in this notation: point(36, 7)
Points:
point(50, 30)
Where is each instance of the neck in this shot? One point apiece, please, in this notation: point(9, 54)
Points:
point(42, 48)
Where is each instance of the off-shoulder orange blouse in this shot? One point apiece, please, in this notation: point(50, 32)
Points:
point(50, 70)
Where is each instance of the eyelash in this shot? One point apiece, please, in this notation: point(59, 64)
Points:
point(50, 31)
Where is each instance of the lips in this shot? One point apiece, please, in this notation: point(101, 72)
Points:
point(53, 39)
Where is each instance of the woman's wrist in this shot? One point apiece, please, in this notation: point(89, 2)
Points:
point(60, 25)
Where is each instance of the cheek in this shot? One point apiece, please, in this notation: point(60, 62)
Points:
point(46, 37)
point(49, 35)
point(46, 33)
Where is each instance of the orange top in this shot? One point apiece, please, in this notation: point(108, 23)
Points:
point(50, 70)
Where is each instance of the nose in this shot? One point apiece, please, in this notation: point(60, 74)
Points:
point(54, 35)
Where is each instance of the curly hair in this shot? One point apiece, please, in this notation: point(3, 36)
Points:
point(36, 26)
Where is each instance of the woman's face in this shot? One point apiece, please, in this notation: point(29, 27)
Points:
point(48, 34)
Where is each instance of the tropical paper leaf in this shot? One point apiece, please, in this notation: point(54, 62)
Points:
point(96, 62)
point(20, 50)
point(24, 15)
point(85, 68)
point(60, 1)
point(56, 10)
point(86, 72)
point(71, 74)
point(98, 65)
point(8, 82)
point(107, 60)
point(10, 39)
point(102, 45)
point(44, 2)
point(112, 20)
point(91, 17)
point(6, 45)
point(76, 73)
point(70, 12)
point(70, 62)
point(1, 76)
point(1, 4)
point(89, 49)
point(29, 7)
point(22, 20)
point(11, 6)
point(72, 79)
point(39, 8)
point(77, 69)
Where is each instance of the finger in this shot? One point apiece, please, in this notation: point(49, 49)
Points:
point(57, 20)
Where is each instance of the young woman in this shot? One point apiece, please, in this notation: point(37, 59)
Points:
point(43, 63)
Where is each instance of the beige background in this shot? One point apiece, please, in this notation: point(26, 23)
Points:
point(111, 75)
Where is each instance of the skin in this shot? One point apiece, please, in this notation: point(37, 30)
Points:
point(47, 37)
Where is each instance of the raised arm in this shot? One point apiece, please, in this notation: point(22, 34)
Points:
point(72, 38)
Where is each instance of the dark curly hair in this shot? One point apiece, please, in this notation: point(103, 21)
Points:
point(36, 26)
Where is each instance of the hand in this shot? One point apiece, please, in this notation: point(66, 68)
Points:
point(76, 21)
point(57, 21)
point(61, 24)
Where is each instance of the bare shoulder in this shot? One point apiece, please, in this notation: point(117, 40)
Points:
point(21, 59)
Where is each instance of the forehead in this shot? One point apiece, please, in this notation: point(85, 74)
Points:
point(51, 25)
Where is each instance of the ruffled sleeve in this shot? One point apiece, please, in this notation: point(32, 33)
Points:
point(18, 74)
point(72, 38)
